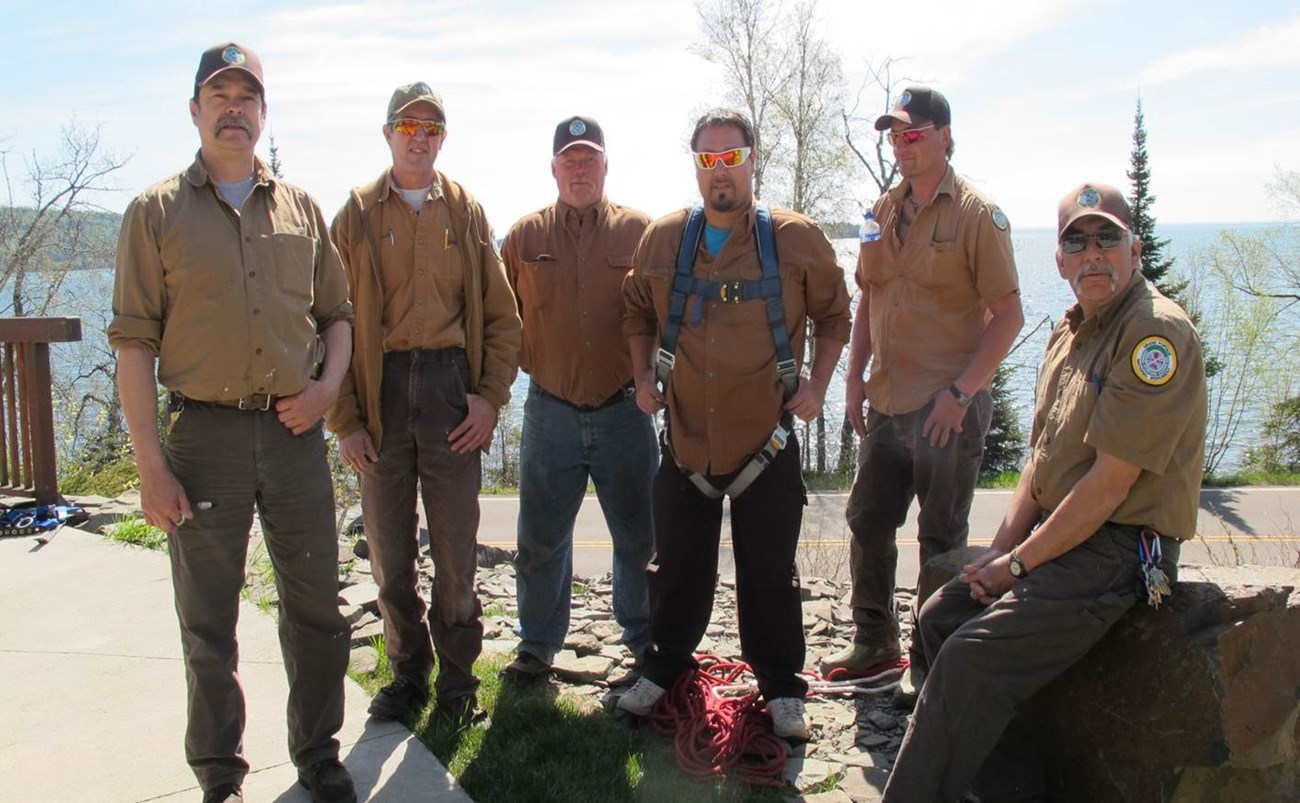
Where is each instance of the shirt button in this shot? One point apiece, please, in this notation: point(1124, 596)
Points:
point(252, 273)
point(248, 239)
point(259, 351)
point(712, 410)
point(256, 311)
point(261, 388)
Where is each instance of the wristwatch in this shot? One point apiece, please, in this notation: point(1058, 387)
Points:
point(1017, 567)
point(962, 399)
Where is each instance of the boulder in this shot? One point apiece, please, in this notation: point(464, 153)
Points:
point(1194, 702)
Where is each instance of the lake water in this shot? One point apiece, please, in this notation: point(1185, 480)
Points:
point(1045, 297)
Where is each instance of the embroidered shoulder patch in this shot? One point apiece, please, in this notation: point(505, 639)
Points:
point(1155, 361)
point(1000, 219)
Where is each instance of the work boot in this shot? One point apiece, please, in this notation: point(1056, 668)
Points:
point(328, 781)
point(633, 673)
point(401, 697)
point(857, 659)
point(459, 713)
point(526, 669)
point(788, 721)
point(224, 793)
point(908, 689)
point(641, 698)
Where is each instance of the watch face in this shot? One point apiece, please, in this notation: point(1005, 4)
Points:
point(1017, 568)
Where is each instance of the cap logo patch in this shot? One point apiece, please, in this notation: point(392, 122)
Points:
point(1000, 219)
point(421, 88)
point(1155, 361)
point(577, 128)
point(1088, 198)
point(233, 56)
point(904, 99)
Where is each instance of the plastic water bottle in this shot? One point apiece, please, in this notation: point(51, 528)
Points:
point(869, 231)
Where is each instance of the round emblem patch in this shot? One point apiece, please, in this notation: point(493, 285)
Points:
point(577, 128)
point(232, 55)
point(1154, 360)
point(904, 99)
point(1000, 219)
point(421, 88)
point(1088, 198)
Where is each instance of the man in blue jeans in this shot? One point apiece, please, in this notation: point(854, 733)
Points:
point(566, 263)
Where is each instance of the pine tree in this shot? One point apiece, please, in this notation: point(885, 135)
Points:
point(1155, 265)
point(277, 167)
point(1004, 446)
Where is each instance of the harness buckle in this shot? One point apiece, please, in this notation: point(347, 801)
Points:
point(666, 359)
point(731, 292)
point(780, 436)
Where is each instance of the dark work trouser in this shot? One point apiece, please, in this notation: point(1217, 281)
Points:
point(423, 399)
point(230, 463)
point(765, 523)
point(896, 463)
point(986, 661)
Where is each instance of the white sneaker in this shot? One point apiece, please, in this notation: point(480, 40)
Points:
point(641, 697)
point(787, 715)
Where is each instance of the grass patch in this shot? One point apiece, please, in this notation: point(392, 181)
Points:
point(1003, 479)
point(136, 532)
point(1252, 478)
point(107, 480)
point(498, 609)
point(545, 745)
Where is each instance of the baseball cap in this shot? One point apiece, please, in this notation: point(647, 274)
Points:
point(917, 104)
point(577, 131)
point(1099, 200)
point(408, 94)
point(228, 56)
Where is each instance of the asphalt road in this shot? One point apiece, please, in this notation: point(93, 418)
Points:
point(1237, 525)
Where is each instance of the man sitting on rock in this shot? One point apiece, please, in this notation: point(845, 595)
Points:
point(1109, 491)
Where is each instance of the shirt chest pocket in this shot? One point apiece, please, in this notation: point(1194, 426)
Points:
point(873, 266)
point(294, 268)
point(946, 271)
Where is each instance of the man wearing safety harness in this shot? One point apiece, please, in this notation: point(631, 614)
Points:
point(716, 307)
point(1107, 495)
point(940, 307)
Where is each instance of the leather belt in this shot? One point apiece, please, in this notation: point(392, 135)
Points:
point(619, 395)
point(255, 401)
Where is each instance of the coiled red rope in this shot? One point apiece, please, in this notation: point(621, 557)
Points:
point(718, 727)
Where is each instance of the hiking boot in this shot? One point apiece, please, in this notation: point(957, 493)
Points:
point(633, 673)
point(641, 697)
point(401, 697)
point(224, 793)
point(857, 659)
point(908, 689)
point(787, 715)
point(459, 713)
point(328, 781)
point(526, 669)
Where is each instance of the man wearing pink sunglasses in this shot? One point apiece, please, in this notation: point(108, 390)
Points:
point(940, 307)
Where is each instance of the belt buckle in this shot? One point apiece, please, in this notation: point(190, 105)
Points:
point(731, 292)
point(263, 408)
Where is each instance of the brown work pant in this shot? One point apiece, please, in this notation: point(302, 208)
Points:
point(423, 399)
point(985, 661)
point(230, 463)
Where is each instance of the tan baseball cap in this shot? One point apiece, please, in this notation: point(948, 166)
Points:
point(409, 94)
point(1093, 200)
point(228, 56)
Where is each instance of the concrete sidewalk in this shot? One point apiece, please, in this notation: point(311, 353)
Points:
point(92, 690)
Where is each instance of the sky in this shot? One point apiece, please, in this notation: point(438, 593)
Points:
point(1042, 91)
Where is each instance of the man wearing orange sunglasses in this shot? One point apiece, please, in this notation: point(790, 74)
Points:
point(730, 403)
point(939, 309)
point(567, 263)
point(437, 339)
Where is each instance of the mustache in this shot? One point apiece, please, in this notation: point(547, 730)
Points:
point(1096, 268)
point(234, 121)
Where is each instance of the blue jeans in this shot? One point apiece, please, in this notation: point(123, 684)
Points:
point(561, 447)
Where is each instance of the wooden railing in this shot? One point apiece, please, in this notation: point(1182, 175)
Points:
point(27, 463)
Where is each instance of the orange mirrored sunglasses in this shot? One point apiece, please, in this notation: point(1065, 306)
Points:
point(732, 158)
point(408, 127)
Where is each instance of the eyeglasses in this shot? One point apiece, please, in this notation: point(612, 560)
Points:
point(432, 128)
point(909, 135)
point(1076, 242)
point(732, 158)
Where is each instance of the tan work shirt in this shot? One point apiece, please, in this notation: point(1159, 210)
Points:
point(567, 270)
point(422, 271)
point(930, 294)
point(724, 397)
point(230, 302)
point(1128, 381)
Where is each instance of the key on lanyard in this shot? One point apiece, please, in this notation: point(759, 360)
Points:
point(1154, 579)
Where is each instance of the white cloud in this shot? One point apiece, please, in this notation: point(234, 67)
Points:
point(1266, 47)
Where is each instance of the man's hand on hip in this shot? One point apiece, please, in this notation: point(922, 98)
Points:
point(304, 409)
point(475, 431)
